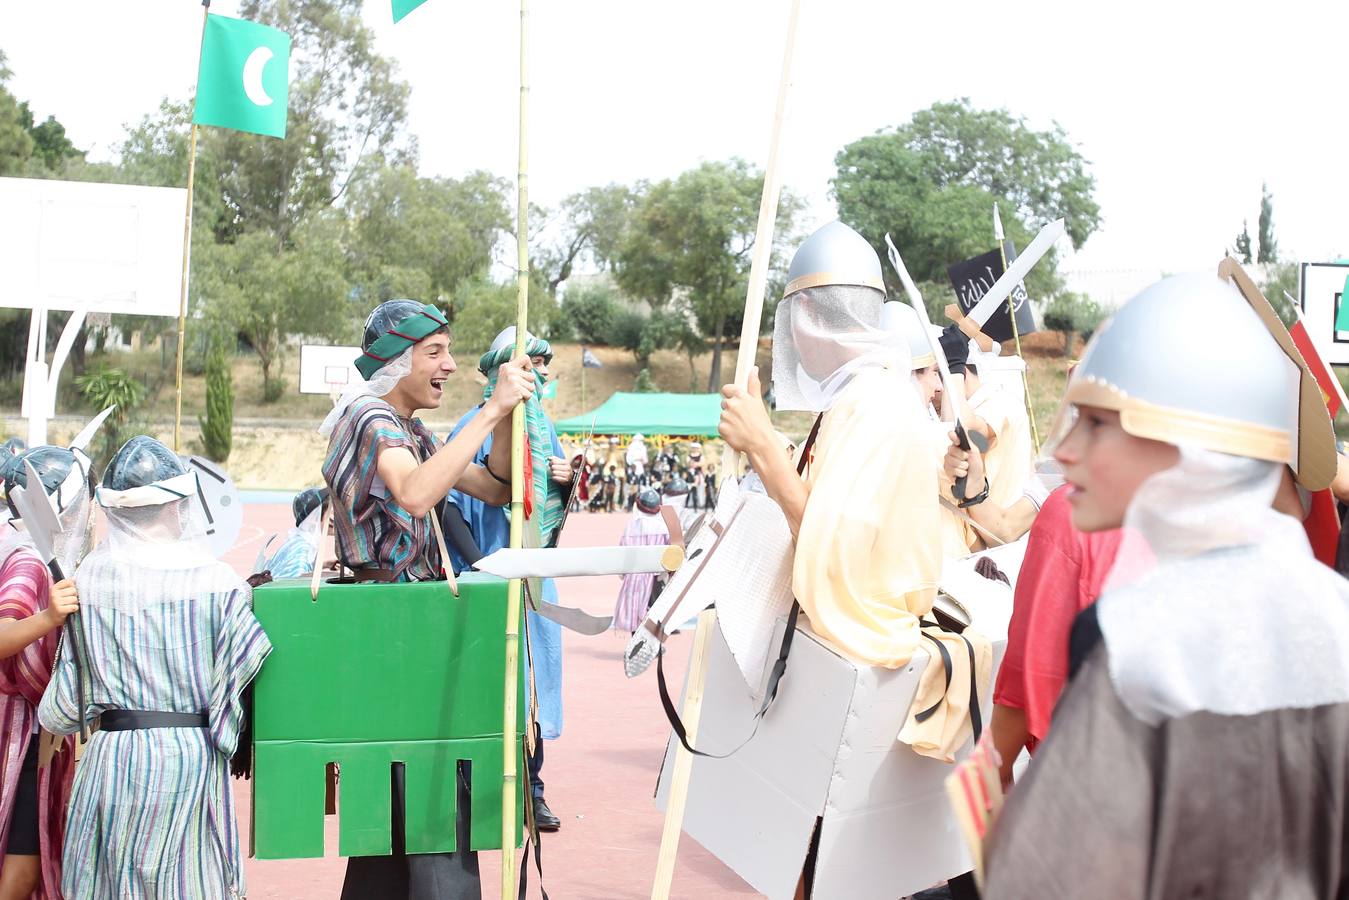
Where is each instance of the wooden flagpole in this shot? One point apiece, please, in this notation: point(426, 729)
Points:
point(510, 749)
point(1000, 237)
point(187, 253)
point(730, 465)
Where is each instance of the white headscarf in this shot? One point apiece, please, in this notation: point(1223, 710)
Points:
point(1215, 603)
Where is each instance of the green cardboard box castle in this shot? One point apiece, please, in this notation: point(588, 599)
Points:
point(368, 675)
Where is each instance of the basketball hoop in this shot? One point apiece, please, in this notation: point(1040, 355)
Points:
point(336, 379)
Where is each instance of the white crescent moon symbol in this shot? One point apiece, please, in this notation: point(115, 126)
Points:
point(253, 67)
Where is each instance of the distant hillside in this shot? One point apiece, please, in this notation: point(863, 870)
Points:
point(275, 445)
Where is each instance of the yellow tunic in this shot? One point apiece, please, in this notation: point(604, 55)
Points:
point(868, 554)
point(1010, 459)
point(869, 551)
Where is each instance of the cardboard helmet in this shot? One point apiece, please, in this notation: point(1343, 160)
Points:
point(903, 319)
point(1203, 361)
point(834, 254)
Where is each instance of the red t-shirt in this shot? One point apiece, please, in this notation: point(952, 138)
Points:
point(1062, 574)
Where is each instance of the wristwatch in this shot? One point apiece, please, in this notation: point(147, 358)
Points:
point(976, 499)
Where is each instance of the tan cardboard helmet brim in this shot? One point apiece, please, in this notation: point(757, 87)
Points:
point(1315, 458)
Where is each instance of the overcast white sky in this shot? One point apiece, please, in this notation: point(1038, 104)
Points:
point(1183, 108)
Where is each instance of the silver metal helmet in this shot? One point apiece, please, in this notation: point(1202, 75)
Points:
point(834, 254)
point(1195, 360)
point(903, 319)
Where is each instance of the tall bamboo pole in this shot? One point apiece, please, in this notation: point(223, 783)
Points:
point(509, 747)
point(187, 254)
point(730, 465)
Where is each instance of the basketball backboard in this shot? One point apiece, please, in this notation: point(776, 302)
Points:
point(107, 248)
point(325, 369)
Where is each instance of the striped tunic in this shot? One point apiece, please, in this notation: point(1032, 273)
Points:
point(152, 815)
point(24, 591)
point(373, 531)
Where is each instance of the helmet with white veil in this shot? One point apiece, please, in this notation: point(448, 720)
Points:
point(828, 325)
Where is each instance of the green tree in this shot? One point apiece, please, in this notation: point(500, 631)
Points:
point(1281, 288)
point(644, 383)
point(217, 428)
point(591, 309)
point(1242, 245)
point(693, 236)
point(51, 147)
point(422, 237)
point(265, 296)
point(588, 226)
point(16, 144)
point(670, 329)
point(931, 184)
point(628, 330)
point(485, 308)
point(154, 152)
point(1269, 247)
point(1073, 314)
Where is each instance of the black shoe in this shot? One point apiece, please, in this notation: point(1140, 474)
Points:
point(544, 820)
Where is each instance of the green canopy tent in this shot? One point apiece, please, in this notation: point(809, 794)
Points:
point(674, 414)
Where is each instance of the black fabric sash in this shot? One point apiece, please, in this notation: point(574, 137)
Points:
point(779, 666)
point(134, 719)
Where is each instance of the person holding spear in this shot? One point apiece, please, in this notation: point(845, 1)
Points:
point(386, 475)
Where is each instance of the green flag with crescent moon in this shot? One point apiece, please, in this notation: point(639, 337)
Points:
point(243, 82)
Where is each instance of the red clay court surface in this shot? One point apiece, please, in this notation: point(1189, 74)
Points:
point(600, 774)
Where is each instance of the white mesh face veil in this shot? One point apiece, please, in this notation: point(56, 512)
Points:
point(160, 536)
point(154, 555)
point(384, 381)
point(823, 337)
point(1215, 603)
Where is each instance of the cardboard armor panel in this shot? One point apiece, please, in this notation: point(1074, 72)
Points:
point(368, 675)
point(827, 752)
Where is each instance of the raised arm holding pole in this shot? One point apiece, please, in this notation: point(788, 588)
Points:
point(510, 750)
point(730, 464)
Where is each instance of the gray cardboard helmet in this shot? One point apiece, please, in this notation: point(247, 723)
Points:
point(1194, 360)
point(903, 319)
point(834, 254)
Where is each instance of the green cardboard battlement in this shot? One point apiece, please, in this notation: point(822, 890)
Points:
point(368, 675)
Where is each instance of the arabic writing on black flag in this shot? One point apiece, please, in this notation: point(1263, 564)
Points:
point(972, 279)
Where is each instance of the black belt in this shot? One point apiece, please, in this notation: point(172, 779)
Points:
point(132, 719)
point(383, 576)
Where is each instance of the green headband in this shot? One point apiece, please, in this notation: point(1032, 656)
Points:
point(535, 346)
point(404, 334)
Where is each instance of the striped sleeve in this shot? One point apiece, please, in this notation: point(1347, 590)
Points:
point(59, 711)
point(240, 648)
point(25, 586)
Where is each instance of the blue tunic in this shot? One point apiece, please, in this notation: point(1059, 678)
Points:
point(492, 530)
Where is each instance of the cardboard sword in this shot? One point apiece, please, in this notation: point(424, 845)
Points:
point(1015, 273)
point(566, 562)
point(43, 524)
point(947, 383)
